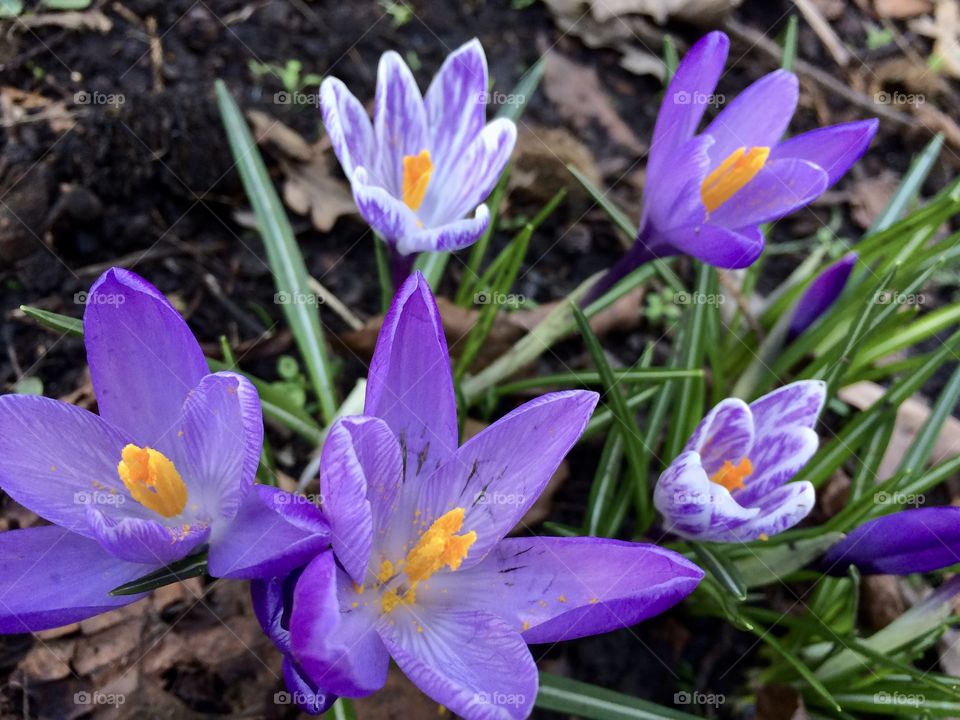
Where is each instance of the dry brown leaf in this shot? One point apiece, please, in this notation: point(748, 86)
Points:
point(881, 601)
point(577, 93)
point(93, 20)
point(540, 162)
point(780, 702)
point(49, 660)
point(698, 12)
point(310, 185)
point(900, 9)
point(870, 196)
point(944, 28)
point(910, 418)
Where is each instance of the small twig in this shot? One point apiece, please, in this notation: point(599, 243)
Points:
point(334, 303)
point(822, 28)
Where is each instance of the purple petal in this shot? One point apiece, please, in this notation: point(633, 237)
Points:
point(449, 237)
point(268, 600)
point(468, 179)
point(910, 541)
point(472, 663)
point(726, 433)
point(384, 212)
point(218, 443)
point(757, 117)
point(777, 456)
point(822, 293)
point(780, 510)
point(720, 247)
point(833, 148)
point(50, 577)
point(554, 589)
point(798, 403)
point(361, 473)
point(781, 187)
point(399, 120)
point(56, 459)
point(455, 102)
point(143, 358)
point(303, 693)
point(672, 199)
point(348, 126)
point(497, 475)
point(410, 384)
point(273, 533)
point(687, 97)
point(142, 540)
point(333, 632)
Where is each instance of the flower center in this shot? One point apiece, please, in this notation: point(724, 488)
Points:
point(731, 476)
point(152, 479)
point(417, 170)
point(438, 547)
point(731, 175)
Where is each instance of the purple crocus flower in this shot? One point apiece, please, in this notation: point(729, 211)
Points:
point(165, 469)
point(421, 569)
point(707, 193)
point(821, 294)
point(730, 482)
point(425, 162)
point(909, 541)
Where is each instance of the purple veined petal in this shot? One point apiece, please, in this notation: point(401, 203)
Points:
point(822, 293)
point(268, 598)
point(384, 212)
point(757, 117)
point(834, 148)
point(449, 237)
point(361, 472)
point(456, 103)
point(347, 125)
point(777, 456)
point(143, 358)
point(720, 247)
point(399, 120)
point(498, 474)
point(466, 181)
point(553, 589)
point(334, 634)
point(687, 97)
point(302, 693)
point(50, 577)
point(472, 663)
point(57, 459)
point(783, 508)
point(780, 187)
point(217, 444)
point(798, 403)
point(142, 540)
point(682, 495)
point(410, 383)
point(672, 199)
point(909, 541)
point(725, 434)
point(273, 533)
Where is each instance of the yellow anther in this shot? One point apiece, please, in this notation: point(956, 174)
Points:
point(152, 480)
point(731, 476)
point(417, 170)
point(439, 546)
point(731, 175)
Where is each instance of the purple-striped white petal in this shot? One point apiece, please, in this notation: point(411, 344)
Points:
point(777, 456)
point(780, 510)
point(725, 434)
point(798, 403)
point(456, 103)
point(448, 237)
point(385, 213)
point(399, 121)
point(470, 662)
point(348, 127)
point(834, 148)
point(756, 117)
